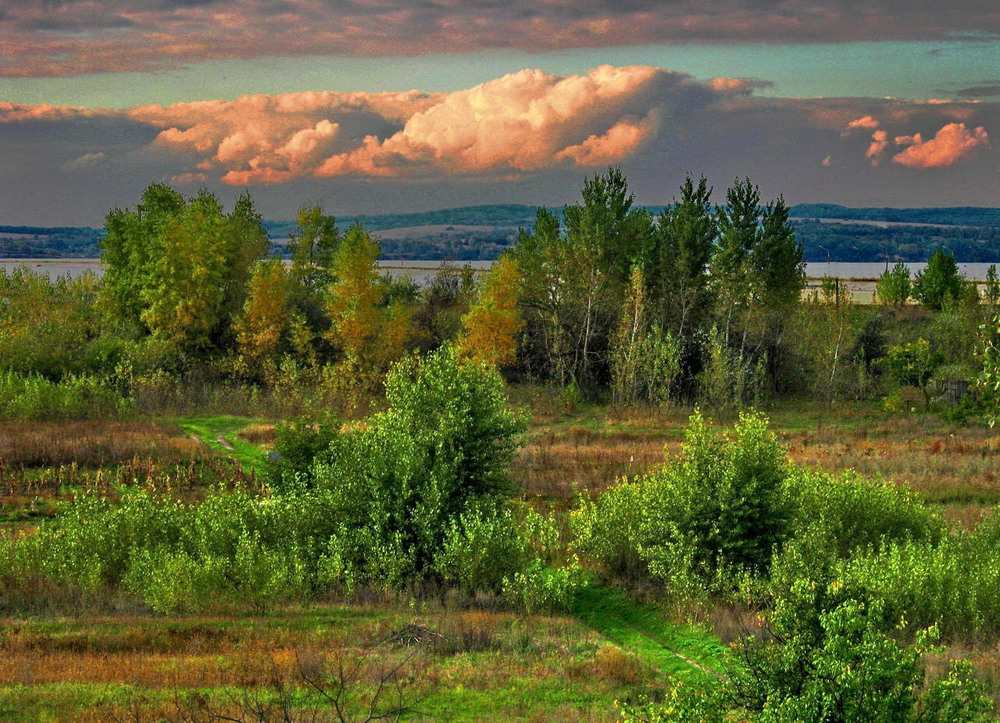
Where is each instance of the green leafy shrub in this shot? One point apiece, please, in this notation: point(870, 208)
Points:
point(397, 486)
point(715, 512)
point(953, 583)
point(839, 665)
point(33, 397)
point(893, 287)
point(856, 513)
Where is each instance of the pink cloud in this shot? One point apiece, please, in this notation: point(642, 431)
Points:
point(866, 123)
point(621, 141)
point(876, 150)
point(522, 121)
point(953, 143)
point(737, 85)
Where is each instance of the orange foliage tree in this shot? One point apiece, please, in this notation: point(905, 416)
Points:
point(490, 328)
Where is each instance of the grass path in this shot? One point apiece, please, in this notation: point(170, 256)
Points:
point(219, 432)
point(676, 650)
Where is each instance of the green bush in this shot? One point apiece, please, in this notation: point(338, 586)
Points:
point(856, 513)
point(710, 515)
point(893, 287)
point(953, 583)
point(838, 664)
point(33, 397)
point(398, 486)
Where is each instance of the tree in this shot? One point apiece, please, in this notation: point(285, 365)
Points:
point(938, 282)
point(492, 325)
point(129, 246)
point(313, 247)
point(832, 662)
point(183, 291)
point(369, 335)
point(265, 317)
point(677, 264)
point(396, 487)
point(894, 287)
point(914, 365)
point(177, 269)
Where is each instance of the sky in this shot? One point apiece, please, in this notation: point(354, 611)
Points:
point(386, 106)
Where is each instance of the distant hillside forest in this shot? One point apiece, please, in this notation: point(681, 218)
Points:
point(828, 233)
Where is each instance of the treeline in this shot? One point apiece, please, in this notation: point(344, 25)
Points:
point(701, 303)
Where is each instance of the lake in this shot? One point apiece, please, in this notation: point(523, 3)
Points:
point(422, 271)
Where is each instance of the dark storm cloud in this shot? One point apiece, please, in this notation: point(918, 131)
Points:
point(45, 38)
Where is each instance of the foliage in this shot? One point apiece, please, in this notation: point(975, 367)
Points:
point(645, 359)
point(953, 582)
point(261, 328)
point(714, 512)
point(913, 365)
point(893, 287)
point(52, 327)
point(397, 486)
point(988, 380)
point(836, 664)
point(369, 334)
point(938, 282)
point(850, 513)
point(33, 397)
point(178, 268)
point(492, 324)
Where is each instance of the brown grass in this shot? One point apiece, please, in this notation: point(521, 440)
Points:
point(93, 443)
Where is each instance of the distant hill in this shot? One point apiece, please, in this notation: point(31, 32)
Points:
point(828, 232)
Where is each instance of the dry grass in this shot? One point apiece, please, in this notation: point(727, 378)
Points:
point(93, 443)
point(164, 668)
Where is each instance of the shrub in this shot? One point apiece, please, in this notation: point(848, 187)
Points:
point(716, 511)
point(33, 397)
point(397, 486)
point(855, 513)
point(940, 281)
point(837, 664)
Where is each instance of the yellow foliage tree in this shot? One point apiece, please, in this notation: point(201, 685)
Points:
point(370, 334)
point(264, 320)
point(490, 328)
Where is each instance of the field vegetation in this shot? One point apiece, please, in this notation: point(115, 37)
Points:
point(634, 473)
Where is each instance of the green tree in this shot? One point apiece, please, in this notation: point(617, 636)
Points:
point(313, 247)
point(677, 263)
point(732, 268)
point(369, 334)
point(893, 287)
point(938, 282)
point(831, 661)
point(129, 247)
point(177, 269)
point(397, 486)
point(914, 365)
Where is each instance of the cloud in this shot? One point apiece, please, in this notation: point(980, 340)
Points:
point(876, 150)
point(523, 121)
point(953, 143)
point(866, 123)
point(85, 161)
point(738, 85)
point(71, 37)
point(979, 91)
point(370, 152)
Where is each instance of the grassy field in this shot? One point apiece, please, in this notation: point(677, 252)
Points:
point(435, 659)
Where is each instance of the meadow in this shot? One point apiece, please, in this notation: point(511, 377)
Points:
point(105, 655)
